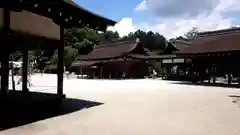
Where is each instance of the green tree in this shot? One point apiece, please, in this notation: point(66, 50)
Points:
point(192, 34)
point(109, 37)
point(150, 40)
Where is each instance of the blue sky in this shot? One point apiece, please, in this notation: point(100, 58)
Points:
point(170, 18)
point(114, 9)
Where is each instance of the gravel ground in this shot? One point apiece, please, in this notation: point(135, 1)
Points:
point(138, 107)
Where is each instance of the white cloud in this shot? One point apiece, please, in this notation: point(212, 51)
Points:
point(123, 27)
point(176, 27)
point(228, 5)
point(175, 17)
point(141, 6)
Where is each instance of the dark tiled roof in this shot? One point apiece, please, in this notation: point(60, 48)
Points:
point(212, 35)
point(109, 51)
point(170, 48)
point(152, 53)
point(152, 57)
point(80, 16)
point(87, 64)
point(212, 41)
point(90, 14)
point(220, 43)
point(84, 64)
point(180, 44)
point(219, 32)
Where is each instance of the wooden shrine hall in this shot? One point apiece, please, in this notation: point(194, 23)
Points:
point(209, 55)
point(114, 60)
point(215, 54)
point(44, 21)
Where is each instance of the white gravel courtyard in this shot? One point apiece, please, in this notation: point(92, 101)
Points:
point(138, 107)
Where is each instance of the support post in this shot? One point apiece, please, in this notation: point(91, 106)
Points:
point(5, 73)
point(81, 72)
point(5, 53)
point(184, 67)
point(93, 73)
point(229, 78)
point(214, 74)
point(12, 75)
point(101, 72)
point(25, 72)
point(209, 74)
point(177, 72)
point(162, 69)
point(172, 66)
point(110, 76)
point(60, 63)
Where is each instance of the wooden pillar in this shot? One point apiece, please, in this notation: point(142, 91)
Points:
point(162, 69)
point(110, 75)
point(177, 72)
point(169, 70)
point(101, 72)
point(229, 74)
point(184, 67)
point(25, 71)
point(5, 72)
point(93, 73)
point(88, 73)
point(81, 71)
point(172, 67)
point(12, 76)
point(193, 68)
point(209, 74)
point(214, 74)
point(5, 53)
point(60, 63)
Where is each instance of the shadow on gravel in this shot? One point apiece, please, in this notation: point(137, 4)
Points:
point(207, 84)
point(19, 108)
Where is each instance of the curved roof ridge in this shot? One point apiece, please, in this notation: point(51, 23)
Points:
point(219, 32)
point(111, 22)
point(112, 50)
point(113, 44)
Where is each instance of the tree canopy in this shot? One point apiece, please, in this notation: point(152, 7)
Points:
point(80, 41)
point(191, 34)
point(150, 40)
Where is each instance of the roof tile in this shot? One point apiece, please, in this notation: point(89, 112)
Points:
point(112, 50)
point(220, 43)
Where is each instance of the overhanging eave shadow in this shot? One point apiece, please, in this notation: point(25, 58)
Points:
point(207, 84)
point(20, 108)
